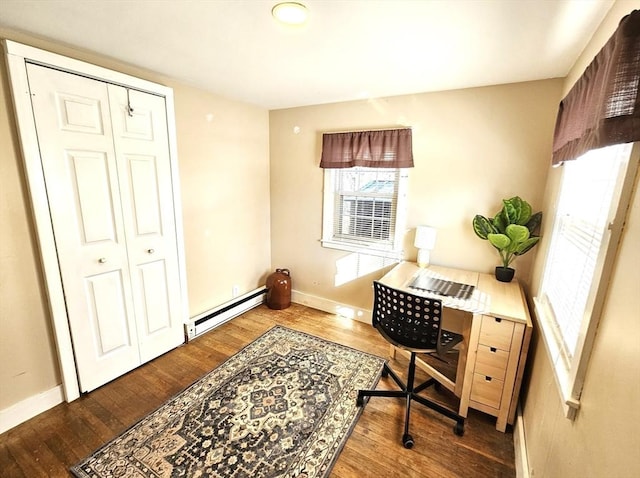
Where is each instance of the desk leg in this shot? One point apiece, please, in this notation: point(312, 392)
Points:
point(463, 357)
point(474, 337)
point(432, 372)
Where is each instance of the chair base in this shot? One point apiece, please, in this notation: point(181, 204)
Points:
point(410, 394)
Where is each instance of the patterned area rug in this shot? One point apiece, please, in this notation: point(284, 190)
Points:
point(281, 407)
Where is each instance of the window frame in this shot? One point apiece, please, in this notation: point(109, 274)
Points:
point(329, 240)
point(570, 372)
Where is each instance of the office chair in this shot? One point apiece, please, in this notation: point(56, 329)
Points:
point(413, 323)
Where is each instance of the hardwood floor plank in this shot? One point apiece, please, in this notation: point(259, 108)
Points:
point(28, 454)
point(8, 464)
point(375, 452)
point(50, 443)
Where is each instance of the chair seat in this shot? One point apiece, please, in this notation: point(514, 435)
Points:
point(447, 341)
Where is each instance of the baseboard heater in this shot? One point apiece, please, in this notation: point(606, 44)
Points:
point(221, 314)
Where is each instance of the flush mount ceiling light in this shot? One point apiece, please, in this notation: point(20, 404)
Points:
point(291, 13)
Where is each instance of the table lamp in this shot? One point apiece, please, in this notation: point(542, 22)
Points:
point(425, 241)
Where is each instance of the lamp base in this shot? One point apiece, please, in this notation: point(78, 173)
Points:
point(423, 257)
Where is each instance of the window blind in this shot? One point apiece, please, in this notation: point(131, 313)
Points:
point(365, 203)
point(585, 207)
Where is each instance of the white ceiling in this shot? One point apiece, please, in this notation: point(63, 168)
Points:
point(349, 49)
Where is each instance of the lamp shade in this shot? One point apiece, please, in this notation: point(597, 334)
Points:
point(425, 237)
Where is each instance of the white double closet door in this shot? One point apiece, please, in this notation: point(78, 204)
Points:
point(109, 185)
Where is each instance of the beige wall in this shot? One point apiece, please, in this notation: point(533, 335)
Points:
point(471, 148)
point(603, 440)
point(224, 175)
point(224, 172)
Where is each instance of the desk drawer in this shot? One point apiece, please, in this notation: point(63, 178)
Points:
point(491, 361)
point(496, 332)
point(487, 390)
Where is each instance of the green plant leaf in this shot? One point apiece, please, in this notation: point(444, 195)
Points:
point(499, 241)
point(525, 212)
point(534, 222)
point(517, 233)
point(517, 210)
point(526, 245)
point(511, 209)
point(500, 222)
point(482, 226)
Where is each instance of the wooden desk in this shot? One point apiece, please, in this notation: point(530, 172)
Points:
point(496, 326)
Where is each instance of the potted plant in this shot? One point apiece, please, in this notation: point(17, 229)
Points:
point(511, 231)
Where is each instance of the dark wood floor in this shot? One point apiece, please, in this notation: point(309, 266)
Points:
point(49, 443)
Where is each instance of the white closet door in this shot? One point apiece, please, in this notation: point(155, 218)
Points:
point(108, 176)
point(142, 151)
point(72, 118)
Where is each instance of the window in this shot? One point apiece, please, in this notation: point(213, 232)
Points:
point(364, 210)
point(590, 212)
point(365, 176)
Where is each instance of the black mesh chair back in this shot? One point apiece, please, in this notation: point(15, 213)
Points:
point(406, 320)
point(411, 321)
point(414, 323)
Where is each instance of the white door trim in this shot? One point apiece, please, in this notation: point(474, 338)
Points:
point(17, 55)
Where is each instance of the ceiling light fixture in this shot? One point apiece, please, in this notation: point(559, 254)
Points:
point(291, 13)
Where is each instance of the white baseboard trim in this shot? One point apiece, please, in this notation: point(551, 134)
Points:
point(30, 407)
point(520, 446)
point(210, 319)
point(332, 307)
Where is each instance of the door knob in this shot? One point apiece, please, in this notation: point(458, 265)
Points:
point(102, 260)
point(151, 251)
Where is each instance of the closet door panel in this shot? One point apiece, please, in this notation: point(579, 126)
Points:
point(143, 173)
point(94, 203)
point(142, 151)
point(153, 285)
point(108, 313)
point(80, 114)
point(72, 116)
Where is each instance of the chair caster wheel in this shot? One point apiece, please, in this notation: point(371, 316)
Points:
point(458, 429)
point(407, 441)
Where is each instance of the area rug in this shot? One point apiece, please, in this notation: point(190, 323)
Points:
point(281, 407)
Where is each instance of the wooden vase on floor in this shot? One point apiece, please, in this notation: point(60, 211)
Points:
point(279, 289)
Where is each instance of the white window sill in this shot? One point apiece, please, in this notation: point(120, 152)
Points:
point(561, 371)
point(363, 249)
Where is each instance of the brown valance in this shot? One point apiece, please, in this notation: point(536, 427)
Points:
point(389, 148)
point(603, 107)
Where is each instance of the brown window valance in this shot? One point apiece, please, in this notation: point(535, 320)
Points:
point(603, 107)
point(390, 148)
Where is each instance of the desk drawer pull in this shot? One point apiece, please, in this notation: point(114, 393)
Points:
point(493, 349)
point(498, 319)
point(487, 378)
